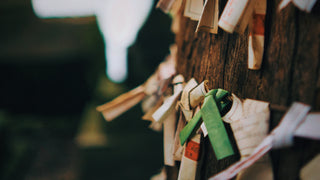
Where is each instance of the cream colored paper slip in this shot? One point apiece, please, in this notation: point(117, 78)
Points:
point(209, 17)
point(193, 9)
point(169, 126)
point(311, 170)
point(169, 123)
point(122, 103)
point(249, 121)
point(185, 101)
point(236, 15)
point(190, 163)
point(256, 35)
point(169, 104)
point(154, 86)
point(178, 149)
point(281, 136)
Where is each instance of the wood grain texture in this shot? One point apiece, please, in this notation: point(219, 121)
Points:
point(290, 72)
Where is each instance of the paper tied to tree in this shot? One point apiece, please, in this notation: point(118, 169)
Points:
point(167, 115)
point(191, 160)
point(191, 97)
point(281, 136)
point(209, 17)
point(215, 102)
point(154, 86)
point(249, 121)
point(184, 103)
point(236, 15)
point(256, 35)
point(193, 9)
point(169, 103)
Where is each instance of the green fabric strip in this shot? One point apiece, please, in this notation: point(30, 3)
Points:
point(215, 101)
point(216, 131)
point(190, 128)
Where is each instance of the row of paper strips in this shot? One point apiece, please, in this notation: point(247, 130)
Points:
point(193, 111)
point(236, 16)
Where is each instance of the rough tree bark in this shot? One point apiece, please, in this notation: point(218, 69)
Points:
point(290, 72)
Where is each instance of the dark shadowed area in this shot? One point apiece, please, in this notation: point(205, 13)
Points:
point(52, 78)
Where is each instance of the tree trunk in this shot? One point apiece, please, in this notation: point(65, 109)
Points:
point(290, 72)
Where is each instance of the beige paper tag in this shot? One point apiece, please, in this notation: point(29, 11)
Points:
point(209, 17)
point(168, 105)
point(236, 15)
point(197, 94)
point(169, 126)
point(246, 17)
point(256, 35)
point(189, 163)
point(311, 170)
point(250, 123)
point(281, 136)
point(122, 103)
point(185, 101)
point(193, 9)
point(178, 149)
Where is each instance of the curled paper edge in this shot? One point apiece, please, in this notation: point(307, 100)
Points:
point(122, 103)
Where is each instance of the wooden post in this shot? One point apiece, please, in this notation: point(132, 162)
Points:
point(290, 72)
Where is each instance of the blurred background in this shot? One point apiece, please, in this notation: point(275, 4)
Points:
point(52, 74)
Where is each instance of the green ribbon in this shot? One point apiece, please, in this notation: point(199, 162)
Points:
point(215, 102)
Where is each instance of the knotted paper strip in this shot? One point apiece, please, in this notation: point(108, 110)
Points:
point(214, 102)
point(196, 95)
point(250, 123)
point(170, 103)
point(236, 15)
point(281, 136)
point(185, 101)
point(169, 116)
point(209, 17)
point(193, 9)
point(256, 35)
point(155, 85)
point(190, 98)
